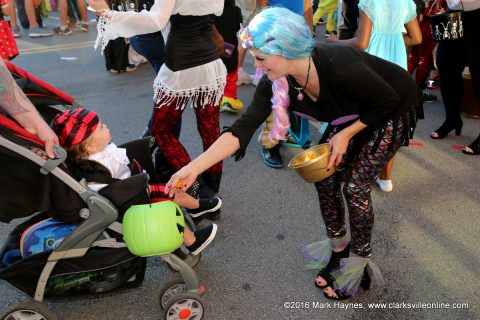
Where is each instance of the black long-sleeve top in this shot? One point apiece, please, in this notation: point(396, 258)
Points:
point(352, 82)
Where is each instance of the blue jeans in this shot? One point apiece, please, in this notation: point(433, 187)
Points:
point(152, 47)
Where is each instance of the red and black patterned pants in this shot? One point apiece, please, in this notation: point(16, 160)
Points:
point(164, 119)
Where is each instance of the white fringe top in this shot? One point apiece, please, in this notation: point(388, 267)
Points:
point(203, 84)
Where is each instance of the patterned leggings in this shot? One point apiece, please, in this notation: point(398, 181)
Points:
point(358, 174)
point(164, 120)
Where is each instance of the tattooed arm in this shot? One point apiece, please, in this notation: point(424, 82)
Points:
point(14, 101)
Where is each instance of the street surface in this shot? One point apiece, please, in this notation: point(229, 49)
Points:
point(425, 238)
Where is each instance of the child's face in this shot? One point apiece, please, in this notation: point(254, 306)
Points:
point(99, 139)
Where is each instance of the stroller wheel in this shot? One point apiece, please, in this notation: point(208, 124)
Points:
point(184, 306)
point(27, 310)
point(170, 289)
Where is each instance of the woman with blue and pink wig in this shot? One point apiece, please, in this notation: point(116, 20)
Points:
point(371, 107)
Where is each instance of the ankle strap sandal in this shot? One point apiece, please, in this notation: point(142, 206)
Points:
point(333, 264)
point(343, 294)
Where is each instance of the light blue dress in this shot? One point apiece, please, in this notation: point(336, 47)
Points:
point(388, 18)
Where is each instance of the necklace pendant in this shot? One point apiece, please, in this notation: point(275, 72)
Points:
point(300, 96)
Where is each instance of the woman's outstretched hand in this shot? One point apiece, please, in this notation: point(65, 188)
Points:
point(183, 179)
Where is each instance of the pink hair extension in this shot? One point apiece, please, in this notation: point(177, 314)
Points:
point(280, 102)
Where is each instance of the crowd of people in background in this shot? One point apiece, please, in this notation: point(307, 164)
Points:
point(30, 14)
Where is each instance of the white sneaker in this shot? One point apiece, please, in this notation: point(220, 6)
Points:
point(385, 185)
point(243, 77)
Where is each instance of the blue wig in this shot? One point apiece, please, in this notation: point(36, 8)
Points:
point(279, 31)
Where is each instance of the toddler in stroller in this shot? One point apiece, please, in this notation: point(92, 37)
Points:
point(88, 143)
point(92, 247)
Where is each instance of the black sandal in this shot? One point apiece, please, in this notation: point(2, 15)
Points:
point(342, 295)
point(333, 264)
point(474, 146)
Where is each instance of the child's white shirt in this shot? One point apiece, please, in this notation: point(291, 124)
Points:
point(115, 160)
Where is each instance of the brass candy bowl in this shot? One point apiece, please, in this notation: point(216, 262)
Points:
point(311, 164)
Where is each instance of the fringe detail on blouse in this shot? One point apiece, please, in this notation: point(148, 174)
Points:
point(201, 96)
point(102, 24)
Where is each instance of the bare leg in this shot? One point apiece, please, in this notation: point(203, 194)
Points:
point(387, 170)
point(82, 7)
point(30, 11)
point(13, 15)
point(188, 237)
point(185, 200)
point(308, 13)
point(63, 6)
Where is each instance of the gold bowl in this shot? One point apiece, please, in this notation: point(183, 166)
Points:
point(311, 164)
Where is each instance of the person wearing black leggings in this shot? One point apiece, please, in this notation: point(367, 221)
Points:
point(452, 57)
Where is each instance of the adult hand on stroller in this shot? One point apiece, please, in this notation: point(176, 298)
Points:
point(44, 133)
point(183, 179)
point(14, 101)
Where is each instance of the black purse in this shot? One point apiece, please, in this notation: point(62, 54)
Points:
point(446, 26)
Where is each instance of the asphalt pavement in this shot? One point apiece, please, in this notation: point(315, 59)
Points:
point(425, 238)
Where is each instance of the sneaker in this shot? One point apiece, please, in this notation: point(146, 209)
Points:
point(243, 77)
point(72, 25)
point(39, 32)
point(203, 238)
point(428, 97)
point(131, 67)
point(82, 27)
point(320, 22)
point(16, 32)
point(62, 31)
point(231, 105)
point(385, 185)
point(206, 205)
point(272, 158)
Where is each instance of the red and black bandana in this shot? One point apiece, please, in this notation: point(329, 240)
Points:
point(74, 126)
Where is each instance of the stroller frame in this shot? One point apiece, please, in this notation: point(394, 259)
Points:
point(99, 215)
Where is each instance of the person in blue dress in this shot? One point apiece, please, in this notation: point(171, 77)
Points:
point(385, 28)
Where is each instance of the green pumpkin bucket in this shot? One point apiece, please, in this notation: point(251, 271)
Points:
point(153, 229)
